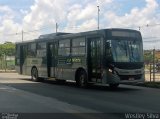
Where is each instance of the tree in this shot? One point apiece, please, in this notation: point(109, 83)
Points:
point(148, 56)
point(8, 48)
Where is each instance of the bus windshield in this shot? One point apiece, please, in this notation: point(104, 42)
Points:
point(127, 50)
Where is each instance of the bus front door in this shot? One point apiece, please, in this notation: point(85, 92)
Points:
point(52, 59)
point(94, 59)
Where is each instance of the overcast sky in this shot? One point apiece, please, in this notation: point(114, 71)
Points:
point(37, 17)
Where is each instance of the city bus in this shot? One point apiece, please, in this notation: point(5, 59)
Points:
point(107, 56)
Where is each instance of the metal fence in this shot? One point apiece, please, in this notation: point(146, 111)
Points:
point(152, 73)
point(7, 63)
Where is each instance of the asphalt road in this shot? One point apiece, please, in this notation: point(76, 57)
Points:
point(20, 95)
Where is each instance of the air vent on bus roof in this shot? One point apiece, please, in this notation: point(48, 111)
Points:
point(52, 35)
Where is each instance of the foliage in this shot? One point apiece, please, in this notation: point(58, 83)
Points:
point(7, 48)
point(148, 57)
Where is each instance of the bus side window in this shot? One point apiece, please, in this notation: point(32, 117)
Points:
point(41, 49)
point(31, 52)
point(108, 51)
point(78, 46)
point(64, 47)
point(41, 52)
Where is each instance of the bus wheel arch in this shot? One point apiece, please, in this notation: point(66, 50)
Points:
point(81, 77)
point(34, 74)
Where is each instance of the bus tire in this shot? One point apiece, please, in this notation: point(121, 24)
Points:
point(81, 80)
point(34, 74)
point(114, 86)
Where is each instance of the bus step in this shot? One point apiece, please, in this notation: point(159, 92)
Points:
point(51, 78)
point(97, 80)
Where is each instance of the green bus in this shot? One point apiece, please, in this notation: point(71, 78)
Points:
point(106, 56)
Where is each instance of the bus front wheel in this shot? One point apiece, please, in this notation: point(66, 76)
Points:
point(34, 74)
point(81, 80)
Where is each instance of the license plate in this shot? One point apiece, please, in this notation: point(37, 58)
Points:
point(131, 79)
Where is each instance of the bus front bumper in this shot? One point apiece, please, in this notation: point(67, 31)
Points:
point(124, 79)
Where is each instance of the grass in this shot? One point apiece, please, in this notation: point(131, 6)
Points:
point(150, 84)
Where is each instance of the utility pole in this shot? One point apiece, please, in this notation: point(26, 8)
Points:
point(22, 35)
point(56, 27)
point(98, 15)
point(150, 71)
point(154, 65)
point(5, 65)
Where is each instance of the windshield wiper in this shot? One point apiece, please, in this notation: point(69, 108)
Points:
point(125, 48)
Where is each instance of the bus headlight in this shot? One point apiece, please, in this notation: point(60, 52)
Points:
point(110, 70)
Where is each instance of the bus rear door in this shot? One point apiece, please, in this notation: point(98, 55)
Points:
point(52, 58)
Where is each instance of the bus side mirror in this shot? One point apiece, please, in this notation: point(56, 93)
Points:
point(107, 45)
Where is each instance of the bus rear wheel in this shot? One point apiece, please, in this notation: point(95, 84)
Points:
point(114, 86)
point(81, 80)
point(34, 74)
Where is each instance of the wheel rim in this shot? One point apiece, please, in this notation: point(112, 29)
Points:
point(82, 80)
point(34, 74)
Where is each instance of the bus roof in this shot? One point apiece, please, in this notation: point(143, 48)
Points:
point(52, 35)
point(62, 35)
